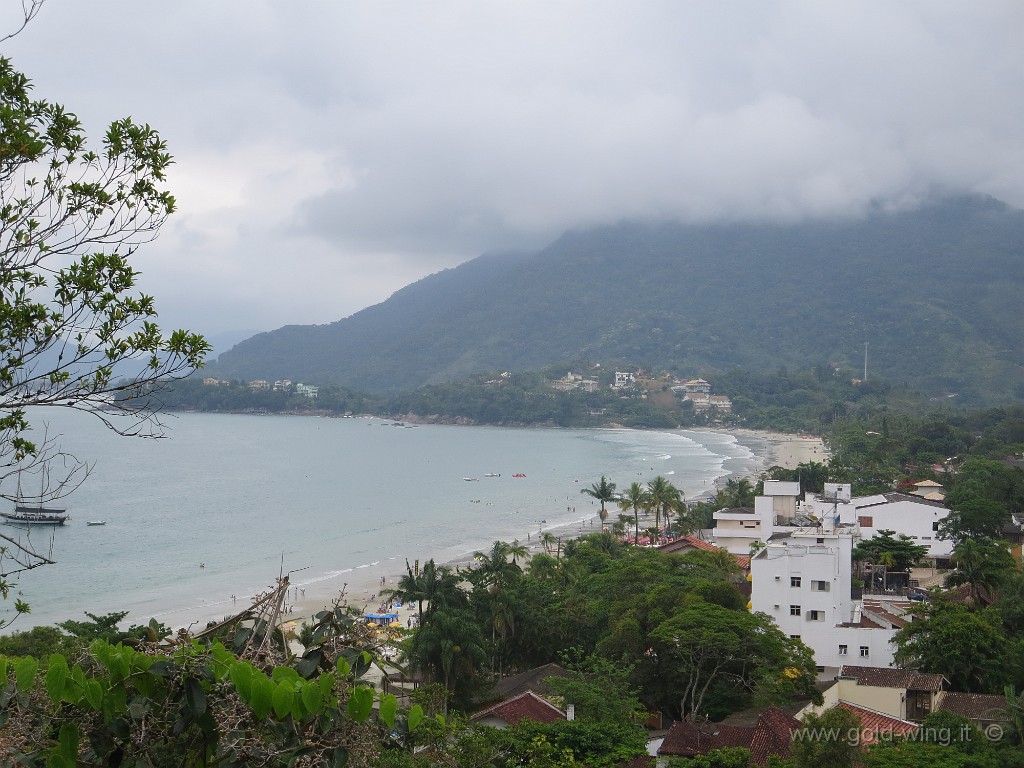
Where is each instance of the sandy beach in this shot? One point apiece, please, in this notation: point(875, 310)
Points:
point(788, 451)
point(362, 589)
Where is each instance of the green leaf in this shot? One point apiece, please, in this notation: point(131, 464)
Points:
point(25, 673)
point(343, 667)
point(56, 676)
point(3, 671)
point(415, 716)
point(163, 668)
point(326, 683)
point(360, 703)
point(69, 742)
point(242, 678)
point(339, 758)
point(311, 696)
point(388, 708)
point(262, 696)
point(284, 695)
point(284, 674)
point(94, 694)
point(195, 697)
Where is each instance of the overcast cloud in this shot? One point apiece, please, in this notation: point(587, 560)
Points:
point(328, 153)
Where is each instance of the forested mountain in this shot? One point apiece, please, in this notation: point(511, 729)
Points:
point(936, 293)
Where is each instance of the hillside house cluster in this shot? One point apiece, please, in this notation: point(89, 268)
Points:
point(573, 381)
point(262, 385)
point(698, 393)
point(623, 379)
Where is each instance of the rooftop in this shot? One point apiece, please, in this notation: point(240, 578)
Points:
point(975, 706)
point(875, 724)
point(525, 706)
point(893, 677)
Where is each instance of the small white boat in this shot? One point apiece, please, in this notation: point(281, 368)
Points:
point(493, 474)
point(471, 479)
point(96, 522)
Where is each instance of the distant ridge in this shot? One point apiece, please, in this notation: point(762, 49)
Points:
point(935, 292)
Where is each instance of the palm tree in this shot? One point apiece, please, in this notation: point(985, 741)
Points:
point(493, 567)
point(449, 648)
point(984, 565)
point(517, 550)
point(547, 539)
point(543, 567)
point(813, 476)
point(435, 585)
point(664, 496)
point(737, 493)
point(409, 589)
point(635, 498)
point(603, 491)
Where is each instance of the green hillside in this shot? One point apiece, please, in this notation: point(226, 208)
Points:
point(935, 293)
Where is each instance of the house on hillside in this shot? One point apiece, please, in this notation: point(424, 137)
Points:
point(623, 379)
point(929, 489)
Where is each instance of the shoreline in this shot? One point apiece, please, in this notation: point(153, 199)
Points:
point(360, 586)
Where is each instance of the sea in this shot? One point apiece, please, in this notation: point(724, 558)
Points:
point(198, 522)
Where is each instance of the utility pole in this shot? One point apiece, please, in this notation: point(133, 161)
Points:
point(865, 361)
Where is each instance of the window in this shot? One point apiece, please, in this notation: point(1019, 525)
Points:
point(794, 581)
point(815, 615)
point(935, 526)
point(866, 521)
point(794, 637)
point(842, 650)
point(820, 586)
point(864, 651)
point(794, 610)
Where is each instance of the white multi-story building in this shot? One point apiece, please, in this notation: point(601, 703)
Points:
point(779, 510)
point(802, 579)
point(905, 513)
point(623, 379)
point(776, 510)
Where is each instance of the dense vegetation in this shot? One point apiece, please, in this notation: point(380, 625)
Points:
point(934, 292)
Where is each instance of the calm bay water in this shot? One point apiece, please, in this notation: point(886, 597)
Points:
point(336, 500)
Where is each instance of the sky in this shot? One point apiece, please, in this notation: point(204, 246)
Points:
point(327, 152)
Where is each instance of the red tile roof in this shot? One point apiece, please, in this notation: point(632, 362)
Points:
point(893, 677)
point(525, 706)
point(988, 707)
point(874, 724)
point(686, 542)
point(771, 736)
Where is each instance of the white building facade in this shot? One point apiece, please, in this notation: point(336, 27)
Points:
point(802, 579)
point(911, 515)
point(776, 510)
